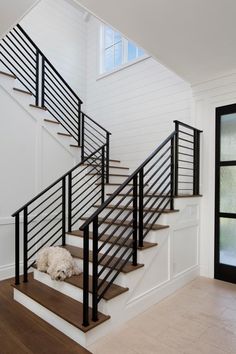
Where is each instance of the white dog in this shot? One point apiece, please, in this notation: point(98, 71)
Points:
point(57, 262)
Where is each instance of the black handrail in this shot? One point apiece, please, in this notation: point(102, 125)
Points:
point(63, 204)
point(151, 189)
point(33, 69)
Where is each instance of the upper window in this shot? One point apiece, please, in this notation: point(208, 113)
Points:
point(116, 50)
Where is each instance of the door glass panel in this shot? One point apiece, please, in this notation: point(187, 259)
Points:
point(228, 241)
point(228, 137)
point(228, 189)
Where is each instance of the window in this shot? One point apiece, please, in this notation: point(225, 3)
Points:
point(116, 50)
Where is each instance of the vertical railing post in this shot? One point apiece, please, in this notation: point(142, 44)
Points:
point(69, 201)
point(37, 79)
point(17, 249)
point(103, 175)
point(79, 123)
point(140, 206)
point(176, 158)
point(135, 219)
point(196, 162)
point(63, 211)
point(82, 137)
point(42, 81)
point(86, 277)
point(25, 245)
point(172, 158)
point(107, 156)
point(95, 271)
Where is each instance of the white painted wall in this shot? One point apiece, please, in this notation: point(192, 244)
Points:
point(12, 11)
point(209, 95)
point(59, 30)
point(137, 104)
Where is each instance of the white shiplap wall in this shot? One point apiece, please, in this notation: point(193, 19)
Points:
point(59, 30)
point(137, 104)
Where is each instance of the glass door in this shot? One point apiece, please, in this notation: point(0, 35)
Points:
point(225, 194)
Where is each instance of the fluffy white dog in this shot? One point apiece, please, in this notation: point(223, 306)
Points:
point(57, 262)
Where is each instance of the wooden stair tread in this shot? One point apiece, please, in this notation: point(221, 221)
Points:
point(155, 227)
point(110, 174)
point(120, 207)
point(77, 252)
point(113, 291)
point(111, 160)
point(22, 91)
point(7, 74)
point(113, 239)
point(51, 121)
point(110, 166)
point(74, 145)
point(145, 195)
point(64, 134)
point(38, 107)
point(188, 196)
point(62, 305)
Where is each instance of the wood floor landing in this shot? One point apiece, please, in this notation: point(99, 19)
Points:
point(22, 332)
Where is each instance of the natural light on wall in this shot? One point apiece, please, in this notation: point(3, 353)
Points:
point(116, 50)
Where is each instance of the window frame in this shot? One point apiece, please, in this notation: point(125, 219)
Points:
point(124, 60)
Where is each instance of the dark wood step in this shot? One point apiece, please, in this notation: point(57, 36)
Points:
point(111, 166)
point(112, 240)
point(113, 291)
point(111, 160)
point(7, 74)
point(146, 195)
point(77, 252)
point(22, 91)
point(38, 107)
point(64, 134)
point(74, 145)
point(110, 174)
point(51, 121)
point(155, 227)
point(188, 196)
point(120, 207)
point(62, 305)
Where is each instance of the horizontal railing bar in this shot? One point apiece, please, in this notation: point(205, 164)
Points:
point(186, 161)
point(181, 131)
point(124, 184)
point(154, 164)
point(95, 142)
point(187, 126)
point(54, 183)
point(76, 205)
point(159, 168)
point(114, 277)
point(79, 180)
point(85, 190)
point(188, 141)
point(182, 153)
point(86, 142)
point(85, 122)
point(156, 190)
point(102, 142)
point(154, 221)
point(185, 147)
point(185, 189)
point(44, 243)
point(51, 195)
point(33, 50)
point(185, 168)
point(167, 196)
point(44, 218)
point(19, 79)
point(96, 123)
point(74, 109)
point(42, 228)
point(181, 175)
point(24, 55)
point(26, 50)
point(12, 57)
point(94, 203)
point(185, 182)
point(48, 206)
point(159, 177)
point(48, 62)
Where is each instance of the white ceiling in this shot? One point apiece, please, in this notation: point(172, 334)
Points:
point(194, 38)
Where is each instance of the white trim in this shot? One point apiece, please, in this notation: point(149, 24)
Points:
point(7, 271)
point(123, 66)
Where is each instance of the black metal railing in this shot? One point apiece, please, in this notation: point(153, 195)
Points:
point(46, 218)
point(120, 225)
point(187, 159)
point(22, 57)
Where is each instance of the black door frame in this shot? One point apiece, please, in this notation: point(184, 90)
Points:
point(222, 271)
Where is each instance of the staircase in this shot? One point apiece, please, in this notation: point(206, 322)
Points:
point(115, 224)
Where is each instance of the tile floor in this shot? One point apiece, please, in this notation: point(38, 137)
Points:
point(198, 319)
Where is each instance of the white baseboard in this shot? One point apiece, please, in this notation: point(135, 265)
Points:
point(8, 271)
